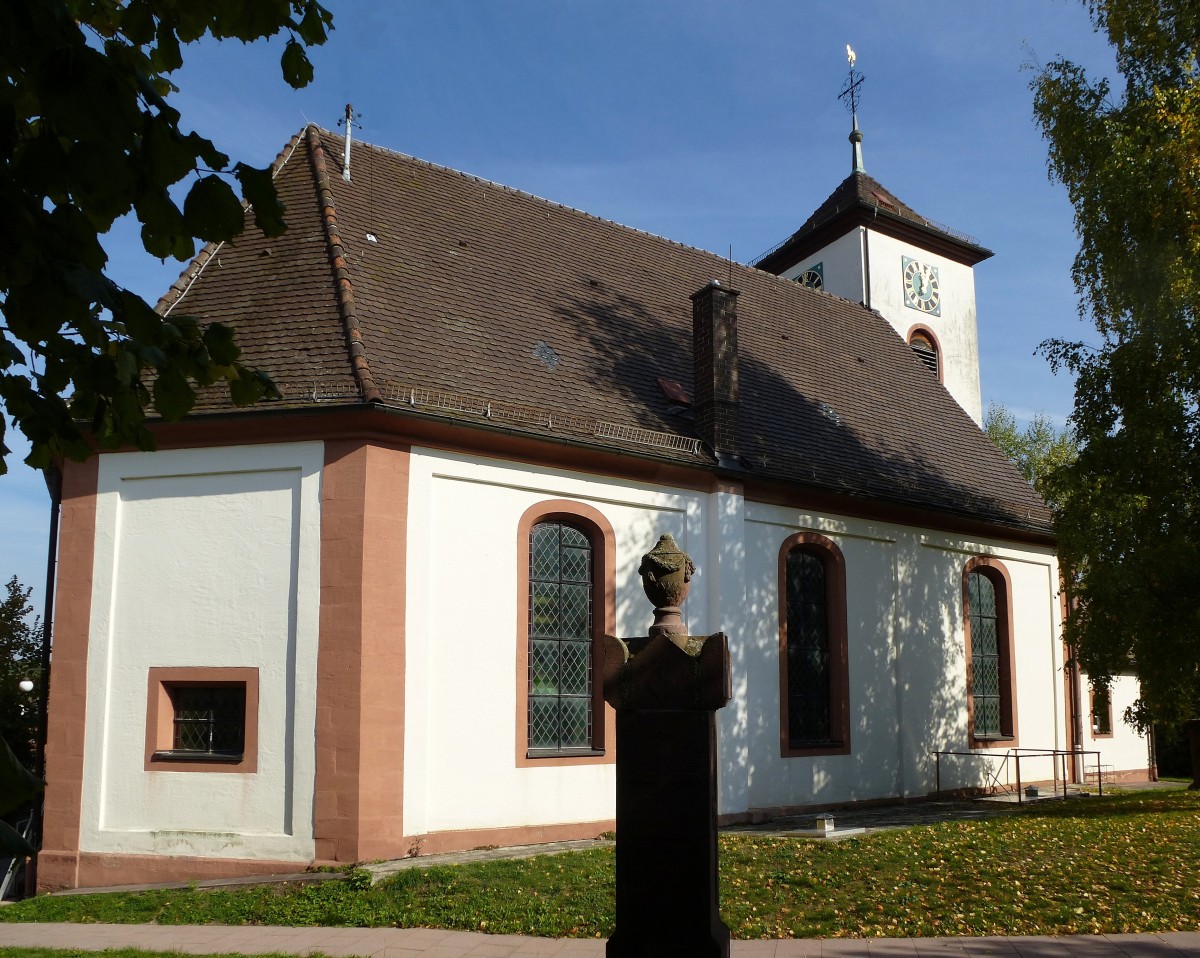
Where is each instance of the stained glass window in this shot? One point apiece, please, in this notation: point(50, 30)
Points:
point(560, 638)
point(808, 653)
point(209, 720)
point(985, 656)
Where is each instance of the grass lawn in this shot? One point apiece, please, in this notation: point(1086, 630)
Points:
point(1122, 863)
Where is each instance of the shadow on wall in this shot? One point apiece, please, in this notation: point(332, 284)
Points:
point(907, 660)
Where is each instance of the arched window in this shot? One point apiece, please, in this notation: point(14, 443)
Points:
point(814, 713)
point(560, 638)
point(566, 566)
point(922, 342)
point(991, 700)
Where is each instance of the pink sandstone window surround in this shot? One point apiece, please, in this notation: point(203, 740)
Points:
point(197, 717)
point(585, 530)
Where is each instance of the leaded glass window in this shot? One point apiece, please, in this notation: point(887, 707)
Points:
point(808, 653)
point(560, 638)
point(985, 655)
point(209, 720)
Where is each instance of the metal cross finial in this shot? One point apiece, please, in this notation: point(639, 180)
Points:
point(850, 89)
point(850, 93)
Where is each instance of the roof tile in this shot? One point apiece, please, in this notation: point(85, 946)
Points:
point(464, 279)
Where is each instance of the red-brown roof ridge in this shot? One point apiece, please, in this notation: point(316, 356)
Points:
point(355, 347)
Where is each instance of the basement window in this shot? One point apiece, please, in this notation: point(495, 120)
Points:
point(202, 719)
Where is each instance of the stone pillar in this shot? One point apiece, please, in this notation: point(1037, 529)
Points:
point(666, 688)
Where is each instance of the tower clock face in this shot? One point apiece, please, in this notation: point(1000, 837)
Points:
point(922, 291)
point(813, 277)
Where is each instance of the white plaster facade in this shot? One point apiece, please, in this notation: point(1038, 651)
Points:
point(908, 674)
point(211, 557)
point(204, 558)
point(1123, 749)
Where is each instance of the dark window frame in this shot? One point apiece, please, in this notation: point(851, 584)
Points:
point(199, 712)
point(1100, 706)
point(834, 566)
point(1005, 735)
point(569, 542)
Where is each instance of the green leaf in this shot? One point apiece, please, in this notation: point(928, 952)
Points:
point(212, 211)
point(259, 190)
point(251, 387)
point(12, 845)
point(297, 70)
point(173, 396)
point(18, 785)
point(314, 23)
point(218, 340)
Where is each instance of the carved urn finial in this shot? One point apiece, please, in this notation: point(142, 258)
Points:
point(666, 573)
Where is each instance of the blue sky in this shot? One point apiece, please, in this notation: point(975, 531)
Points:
point(711, 122)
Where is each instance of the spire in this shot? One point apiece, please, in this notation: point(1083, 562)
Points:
point(850, 94)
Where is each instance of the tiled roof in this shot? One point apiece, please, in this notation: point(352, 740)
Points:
point(448, 295)
point(859, 196)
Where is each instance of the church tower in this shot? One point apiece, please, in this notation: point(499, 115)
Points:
point(864, 244)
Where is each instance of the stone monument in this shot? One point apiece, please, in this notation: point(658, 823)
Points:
point(666, 688)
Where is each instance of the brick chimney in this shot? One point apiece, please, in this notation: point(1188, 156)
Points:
point(715, 355)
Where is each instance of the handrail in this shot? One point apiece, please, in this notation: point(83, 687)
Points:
point(1016, 754)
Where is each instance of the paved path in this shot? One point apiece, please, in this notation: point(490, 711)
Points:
point(431, 943)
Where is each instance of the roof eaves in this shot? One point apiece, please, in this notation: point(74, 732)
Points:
point(355, 348)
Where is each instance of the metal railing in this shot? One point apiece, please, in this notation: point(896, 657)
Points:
point(994, 772)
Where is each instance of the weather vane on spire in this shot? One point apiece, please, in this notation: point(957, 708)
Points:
point(851, 90)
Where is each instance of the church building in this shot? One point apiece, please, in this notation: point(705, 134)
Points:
point(361, 621)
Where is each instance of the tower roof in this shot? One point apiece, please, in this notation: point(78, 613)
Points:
point(861, 200)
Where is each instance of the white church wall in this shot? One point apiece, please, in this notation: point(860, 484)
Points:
point(872, 767)
point(1123, 749)
point(1037, 664)
point(204, 558)
point(461, 685)
point(907, 664)
point(907, 660)
point(841, 266)
point(955, 328)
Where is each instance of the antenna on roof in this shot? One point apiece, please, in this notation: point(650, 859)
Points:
point(349, 119)
point(731, 265)
point(851, 91)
